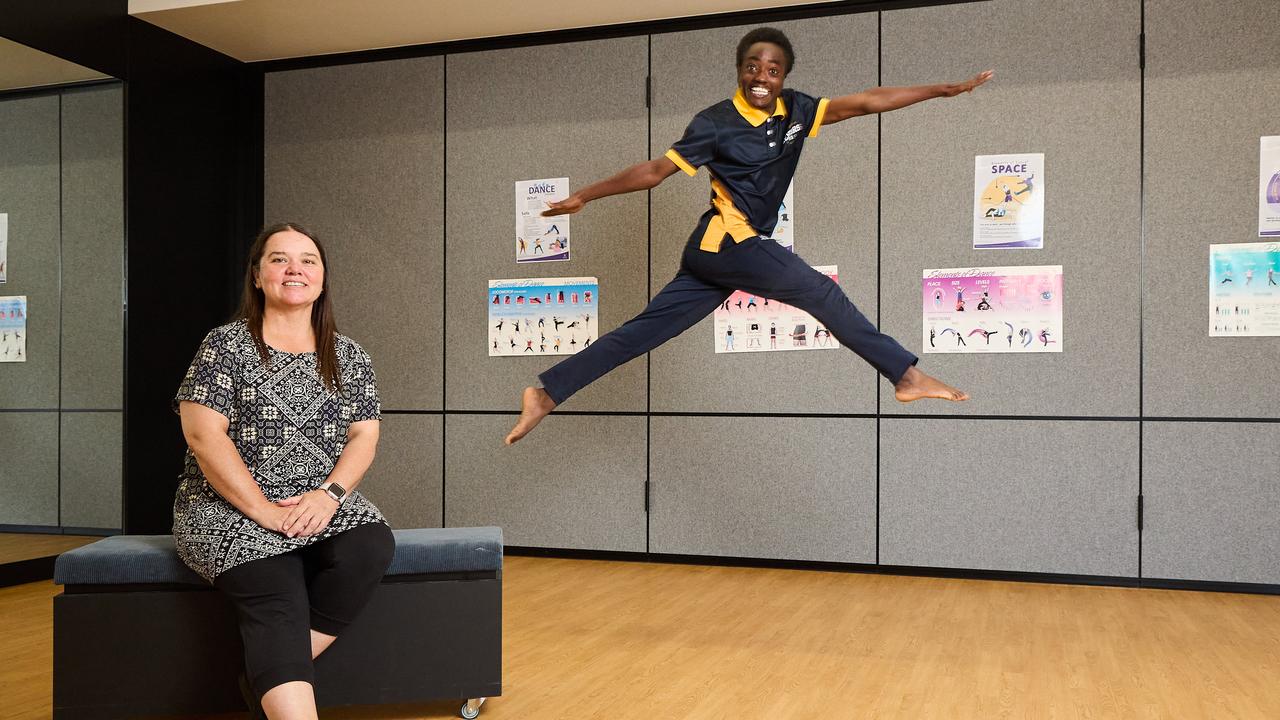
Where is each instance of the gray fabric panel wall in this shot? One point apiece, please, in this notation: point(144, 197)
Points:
point(354, 153)
point(1010, 495)
point(29, 473)
point(1211, 494)
point(90, 469)
point(1213, 79)
point(406, 481)
point(577, 111)
point(782, 488)
point(835, 218)
point(1067, 85)
point(579, 485)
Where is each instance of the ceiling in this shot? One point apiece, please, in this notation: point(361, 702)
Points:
point(254, 30)
point(22, 67)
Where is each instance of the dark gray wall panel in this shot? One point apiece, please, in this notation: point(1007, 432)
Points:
point(577, 482)
point(29, 194)
point(785, 488)
point(91, 490)
point(29, 473)
point(1213, 79)
point(1210, 494)
point(835, 202)
point(577, 111)
point(1066, 84)
point(404, 480)
point(93, 250)
point(1027, 496)
point(355, 153)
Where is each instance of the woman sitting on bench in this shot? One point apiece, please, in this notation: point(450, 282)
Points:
point(281, 415)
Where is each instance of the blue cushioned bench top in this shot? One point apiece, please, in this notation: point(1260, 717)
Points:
point(132, 559)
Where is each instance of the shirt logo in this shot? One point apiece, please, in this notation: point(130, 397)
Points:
point(792, 133)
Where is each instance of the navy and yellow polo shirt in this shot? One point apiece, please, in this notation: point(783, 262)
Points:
point(751, 156)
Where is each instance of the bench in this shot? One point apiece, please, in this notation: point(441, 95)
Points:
point(136, 632)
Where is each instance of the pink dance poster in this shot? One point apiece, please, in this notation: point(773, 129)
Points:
point(752, 323)
point(993, 310)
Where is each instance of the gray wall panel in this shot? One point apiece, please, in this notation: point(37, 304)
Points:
point(576, 111)
point(835, 202)
point(785, 488)
point(29, 160)
point(1210, 495)
point(1213, 77)
point(576, 483)
point(93, 250)
point(1066, 84)
point(1049, 497)
point(91, 489)
point(29, 473)
point(354, 152)
point(405, 479)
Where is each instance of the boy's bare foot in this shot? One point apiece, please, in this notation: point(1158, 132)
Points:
point(915, 385)
point(535, 404)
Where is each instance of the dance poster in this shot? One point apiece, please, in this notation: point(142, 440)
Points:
point(538, 238)
point(784, 232)
point(4, 247)
point(750, 323)
point(1269, 187)
point(13, 328)
point(993, 310)
point(1244, 294)
point(1008, 201)
point(543, 316)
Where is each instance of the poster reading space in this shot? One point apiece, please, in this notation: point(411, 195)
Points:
point(751, 323)
point(538, 238)
point(13, 328)
point(1269, 187)
point(993, 310)
point(784, 232)
point(1244, 297)
point(4, 247)
point(543, 316)
point(1008, 201)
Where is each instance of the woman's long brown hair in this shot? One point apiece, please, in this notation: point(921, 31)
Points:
point(323, 325)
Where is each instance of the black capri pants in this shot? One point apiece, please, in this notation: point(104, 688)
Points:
point(280, 599)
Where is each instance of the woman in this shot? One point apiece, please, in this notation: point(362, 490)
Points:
point(281, 415)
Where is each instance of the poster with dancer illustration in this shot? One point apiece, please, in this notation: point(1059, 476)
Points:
point(993, 310)
point(543, 316)
point(751, 323)
point(1008, 201)
point(1244, 289)
point(4, 248)
point(538, 238)
point(784, 232)
point(13, 328)
point(1269, 187)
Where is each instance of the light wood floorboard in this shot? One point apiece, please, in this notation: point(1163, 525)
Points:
point(27, 546)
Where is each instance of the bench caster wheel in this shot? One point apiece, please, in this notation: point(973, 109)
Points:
point(471, 708)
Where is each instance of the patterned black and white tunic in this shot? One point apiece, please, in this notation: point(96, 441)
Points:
point(289, 430)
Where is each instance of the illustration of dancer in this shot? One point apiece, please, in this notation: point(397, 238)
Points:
point(984, 333)
point(728, 337)
point(1026, 184)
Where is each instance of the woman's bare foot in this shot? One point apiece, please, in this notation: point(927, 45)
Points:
point(915, 385)
point(535, 404)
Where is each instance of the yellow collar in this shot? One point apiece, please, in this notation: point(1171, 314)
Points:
point(753, 115)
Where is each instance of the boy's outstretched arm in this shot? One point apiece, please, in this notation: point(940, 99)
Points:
point(884, 99)
point(640, 176)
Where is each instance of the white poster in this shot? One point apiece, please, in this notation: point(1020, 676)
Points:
point(751, 323)
point(4, 247)
point(13, 328)
point(538, 238)
point(1244, 289)
point(784, 231)
point(1269, 187)
point(993, 309)
point(1008, 201)
point(543, 316)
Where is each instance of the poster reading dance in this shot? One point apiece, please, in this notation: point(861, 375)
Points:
point(543, 316)
point(1269, 187)
point(4, 247)
point(784, 232)
point(13, 328)
point(1008, 201)
point(993, 310)
point(538, 238)
point(750, 323)
point(1244, 294)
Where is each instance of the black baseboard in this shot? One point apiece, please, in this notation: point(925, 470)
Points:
point(21, 572)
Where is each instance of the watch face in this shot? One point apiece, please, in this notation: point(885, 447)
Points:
point(336, 491)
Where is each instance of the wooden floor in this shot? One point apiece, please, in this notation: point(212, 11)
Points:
point(621, 640)
point(15, 547)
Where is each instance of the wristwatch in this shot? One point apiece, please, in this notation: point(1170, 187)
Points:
point(335, 491)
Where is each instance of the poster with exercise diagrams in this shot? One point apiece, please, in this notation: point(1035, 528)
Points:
point(751, 323)
point(1269, 187)
point(1244, 289)
point(543, 316)
point(538, 238)
point(13, 328)
point(1008, 201)
point(784, 233)
point(993, 310)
